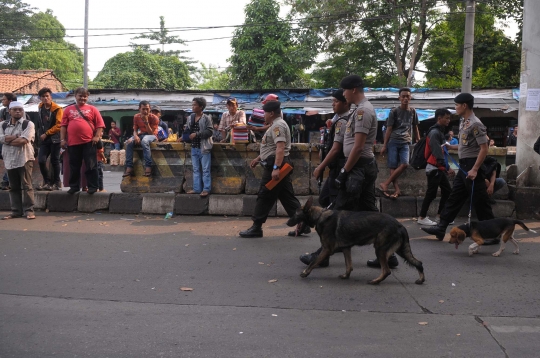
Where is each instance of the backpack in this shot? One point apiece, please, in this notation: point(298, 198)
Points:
point(162, 134)
point(418, 159)
point(24, 125)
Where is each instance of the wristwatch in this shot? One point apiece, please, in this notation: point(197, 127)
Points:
point(343, 170)
point(275, 167)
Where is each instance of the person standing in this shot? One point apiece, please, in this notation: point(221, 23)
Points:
point(472, 150)
point(437, 167)
point(401, 123)
point(452, 139)
point(16, 137)
point(48, 128)
point(275, 148)
point(201, 131)
point(83, 126)
point(145, 127)
point(356, 178)
point(7, 98)
point(230, 118)
point(114, 135)
point(512, 138)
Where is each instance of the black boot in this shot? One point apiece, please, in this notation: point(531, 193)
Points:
point(306, 231)
point(307, 259)
point(254, 231)
point(439, 231)
point(392, 262)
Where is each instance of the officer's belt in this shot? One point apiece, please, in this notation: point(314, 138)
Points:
point(363, 162)
point(268, 163)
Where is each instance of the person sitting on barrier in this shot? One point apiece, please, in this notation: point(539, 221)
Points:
point(162, 137)
point(200, 127)
point(492, 171)
point(230, 118)
point(145, 126)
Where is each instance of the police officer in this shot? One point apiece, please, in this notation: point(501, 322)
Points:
point(356, 179)
point(275, 148)
point(332, 156)
point(472, 150)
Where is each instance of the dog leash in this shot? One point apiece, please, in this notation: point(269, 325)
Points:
point(446, 156)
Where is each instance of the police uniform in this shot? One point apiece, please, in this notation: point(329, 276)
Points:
point(472, 133)
point(329, 190)
point(358, 191)
point(278, 132)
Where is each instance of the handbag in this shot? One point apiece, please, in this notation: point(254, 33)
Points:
point(187, 131)
point(86, 119)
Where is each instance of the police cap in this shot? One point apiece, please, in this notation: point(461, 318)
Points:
point(352, 81)
point(339, 95)
point(272, 106)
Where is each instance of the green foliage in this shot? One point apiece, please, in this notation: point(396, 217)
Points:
point(139, 69)
point(163, 38)
point(264, 57)
point(15, 24)
point(48, 50)
point(496, 58)
point(211, 78)
point(375, 38)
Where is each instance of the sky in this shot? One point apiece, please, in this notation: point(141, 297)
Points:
point(128, 14)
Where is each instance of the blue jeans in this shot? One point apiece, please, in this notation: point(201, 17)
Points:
point(146, 139)
point(5, 179)
point(201, 161)
point(115, 146)
point(499, 184)
point(398, 153)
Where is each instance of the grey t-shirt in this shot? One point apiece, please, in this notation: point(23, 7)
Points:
point(361, 120)
point(278, 132)
point(402, 121)
point(472, 133)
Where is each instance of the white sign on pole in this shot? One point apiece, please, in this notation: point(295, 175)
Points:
point(533, 100)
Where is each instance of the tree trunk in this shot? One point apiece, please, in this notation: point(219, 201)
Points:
point(416, 43)
point(397, 49)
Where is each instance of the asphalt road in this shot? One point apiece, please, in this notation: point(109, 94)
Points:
point(100, 285)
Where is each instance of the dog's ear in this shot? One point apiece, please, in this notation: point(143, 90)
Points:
point(308, 205)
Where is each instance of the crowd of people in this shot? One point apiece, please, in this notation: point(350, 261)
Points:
point(77, 131)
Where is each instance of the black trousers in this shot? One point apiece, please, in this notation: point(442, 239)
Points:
point(21, 194)
point(435, 179)
point(329, 191)
point(78, 153)
point(52, 149)
point(358, 193)
point(461, 191)
point(267, 198)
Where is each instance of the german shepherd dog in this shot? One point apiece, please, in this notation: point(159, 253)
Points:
point(345, 229)
point(478, 231)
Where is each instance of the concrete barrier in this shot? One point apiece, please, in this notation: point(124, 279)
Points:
point(4, 200)
point(40, 200)
point(186, 204)
point(248, 206)
point(225, 205)
point(95, 202)
point(125, 203)
point(158, 203)
point(62, 201)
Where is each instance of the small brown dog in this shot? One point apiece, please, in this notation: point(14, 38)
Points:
point(488, 229)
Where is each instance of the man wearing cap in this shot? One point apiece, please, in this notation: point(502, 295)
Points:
point(16, 137)
point(230, 118)
point(356, 179)
point(156, 111)
point(472, 150)
point(275, 148)
point(145, 127)
point(270, 97)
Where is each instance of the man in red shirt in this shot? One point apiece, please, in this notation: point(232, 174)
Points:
point(82, 127)
point(114, 135)
point(145, 127)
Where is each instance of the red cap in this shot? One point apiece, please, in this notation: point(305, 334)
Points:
point(270, 97)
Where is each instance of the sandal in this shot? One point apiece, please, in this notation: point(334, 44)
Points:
point(128, 173)
point(147, 171)
point(191, 192)
point(384, 193)
point(31, 216)
point(395, 196)
point(11, 216)
point(204, 194)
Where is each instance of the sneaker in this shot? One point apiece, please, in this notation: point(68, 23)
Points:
point(91, 191)
point(46, 187)
point(426, 222)
point(253, 231)
point(39, 188)
point(72, 191)
point(55, 187)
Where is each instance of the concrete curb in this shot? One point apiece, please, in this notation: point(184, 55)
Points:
point(234, 205)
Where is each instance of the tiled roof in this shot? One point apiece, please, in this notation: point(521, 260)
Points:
point(28, 81)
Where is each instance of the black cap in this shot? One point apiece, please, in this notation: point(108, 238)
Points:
point(272, 106)
point(156, 108)
point(464, 98)
point(352, 81)
point(339, 95)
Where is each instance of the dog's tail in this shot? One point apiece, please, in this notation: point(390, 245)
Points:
point(405, 252)
point(522, 224)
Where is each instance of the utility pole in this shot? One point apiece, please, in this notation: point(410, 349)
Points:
point(468, 47)
point(85, 70)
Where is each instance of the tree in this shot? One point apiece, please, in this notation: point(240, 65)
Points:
point(49, 50)
point(264, 56)
point(496, 58)
point(382, 41)
point(139, 69)
point(211, 78)
point(163, 38)
point(16, 24)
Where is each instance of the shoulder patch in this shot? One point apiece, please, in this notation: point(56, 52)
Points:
point(475, 131)
point(276, 132)
point(338, 127)
point(359, 115)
